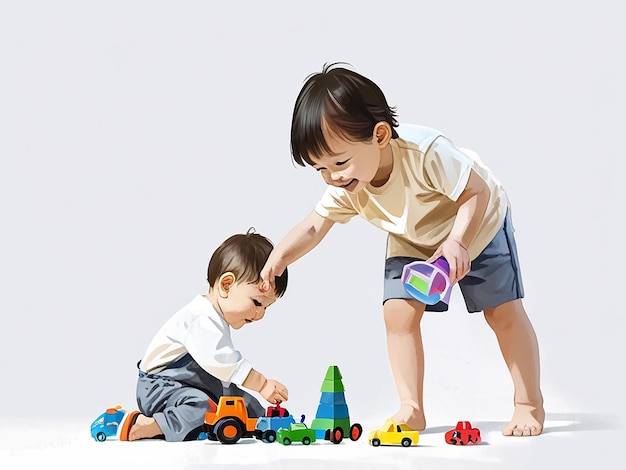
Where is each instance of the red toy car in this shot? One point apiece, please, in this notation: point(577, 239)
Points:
point(463, 434)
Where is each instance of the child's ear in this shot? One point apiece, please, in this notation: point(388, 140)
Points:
point(225, 282)
point(382, 134)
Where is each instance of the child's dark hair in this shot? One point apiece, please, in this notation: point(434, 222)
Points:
point(348, 103)
point(244, 255)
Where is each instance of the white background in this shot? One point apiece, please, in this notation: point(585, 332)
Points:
point(135, 136)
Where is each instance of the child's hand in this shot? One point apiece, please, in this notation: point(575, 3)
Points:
point(274, 392)
point(268, 274)
point(457, 257)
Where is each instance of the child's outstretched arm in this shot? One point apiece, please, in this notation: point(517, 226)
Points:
point(298, 242)
point(272, 390)
point(472, 206)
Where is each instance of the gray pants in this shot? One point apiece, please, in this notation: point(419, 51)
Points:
point(177, 398)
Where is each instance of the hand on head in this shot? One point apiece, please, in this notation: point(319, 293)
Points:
point(270, 271)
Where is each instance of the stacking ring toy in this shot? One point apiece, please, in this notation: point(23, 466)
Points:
point(428, 282)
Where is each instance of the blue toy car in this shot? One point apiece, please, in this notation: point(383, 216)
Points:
point(277, 418)
point(109, 424)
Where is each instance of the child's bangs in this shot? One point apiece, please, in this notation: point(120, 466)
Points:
point(307, 134)
point(311, 128)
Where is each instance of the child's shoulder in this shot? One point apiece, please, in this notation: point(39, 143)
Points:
point(420, 136)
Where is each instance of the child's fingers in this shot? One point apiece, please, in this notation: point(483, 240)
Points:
point(453, 271)
point(267, 277)
point(281, 394)
point(460, 269)
point(282, 391)
point(274, 392)
point(464, 269)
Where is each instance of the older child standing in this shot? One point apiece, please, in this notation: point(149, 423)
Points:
point(434, 200)
point(192, 358)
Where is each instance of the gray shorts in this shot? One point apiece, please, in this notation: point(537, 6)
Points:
point(494, 277)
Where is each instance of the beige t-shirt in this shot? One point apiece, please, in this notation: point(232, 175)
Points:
point(416, 206)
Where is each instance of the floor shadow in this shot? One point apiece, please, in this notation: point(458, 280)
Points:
point(437, 429)
point(571, 422)
point(583, 422)
point(303, 464)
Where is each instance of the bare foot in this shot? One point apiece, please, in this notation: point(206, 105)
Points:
point(144, 428)
point(411, 416)
point(527, 421)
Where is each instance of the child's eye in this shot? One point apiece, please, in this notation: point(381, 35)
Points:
point(341, 163)
point(256, 302)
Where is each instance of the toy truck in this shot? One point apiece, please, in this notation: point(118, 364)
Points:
point(393, 433)
point(228, 421)
point(277, 418)
point(114, 423)
point(463, 434)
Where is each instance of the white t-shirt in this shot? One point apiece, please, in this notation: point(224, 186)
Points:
point(417, 205)
point(197, 329)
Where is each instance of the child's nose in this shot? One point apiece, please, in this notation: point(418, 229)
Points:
point(258, 314)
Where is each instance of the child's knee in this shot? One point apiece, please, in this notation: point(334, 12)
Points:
point(402, 315)
point(505, 316)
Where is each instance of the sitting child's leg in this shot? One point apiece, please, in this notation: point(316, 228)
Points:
point(176, 408)
point(518, 344)
point(144, 428)
point(406, 358)
point(183, 413)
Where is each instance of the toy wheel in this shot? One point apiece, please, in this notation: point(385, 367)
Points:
point(287, 441)
point(375, 442)
point(228, 430)
point(101, 437)
point(406, 442)
point(306, 440)
point(336, 435)
point(268, 436)
point(355, 431)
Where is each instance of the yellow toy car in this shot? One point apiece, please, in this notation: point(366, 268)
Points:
point(393, 434)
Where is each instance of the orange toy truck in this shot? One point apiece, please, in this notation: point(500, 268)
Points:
point(229, 421)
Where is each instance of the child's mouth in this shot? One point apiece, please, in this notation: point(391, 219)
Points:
point(348, 184)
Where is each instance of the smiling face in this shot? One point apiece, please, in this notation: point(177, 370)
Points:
point(354, 165)
point(240, 303)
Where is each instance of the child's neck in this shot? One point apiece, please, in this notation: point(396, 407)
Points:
point(211, 297)
point(385, 168)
